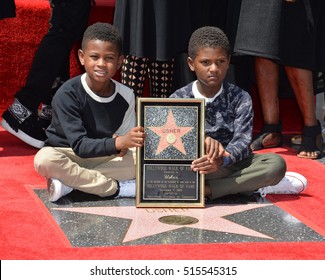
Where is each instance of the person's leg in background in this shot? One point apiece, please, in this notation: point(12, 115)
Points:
point(298, 55)
point(7, 9)
point(50, 68)
point(300, 28)
point(136, 70)
point(301, 81)
point(320, 113)
point(161, 78)
point(267, 81)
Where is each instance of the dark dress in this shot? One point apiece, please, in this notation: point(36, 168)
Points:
point(291, 33)
point(156, 29)
point(258, 27)
point(161, 29)
point(155, 38)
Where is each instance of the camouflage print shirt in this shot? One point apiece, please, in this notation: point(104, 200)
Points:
point(228, 119)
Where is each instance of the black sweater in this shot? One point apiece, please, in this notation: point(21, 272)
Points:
point(86, 122)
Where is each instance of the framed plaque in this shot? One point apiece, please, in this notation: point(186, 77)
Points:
point(174, 138)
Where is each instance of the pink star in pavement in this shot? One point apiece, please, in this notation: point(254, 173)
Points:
point(170, 134)
point(145, 221)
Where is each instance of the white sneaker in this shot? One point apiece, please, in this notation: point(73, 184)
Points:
point(57, 189)
point(127, 188)
point(292, 183)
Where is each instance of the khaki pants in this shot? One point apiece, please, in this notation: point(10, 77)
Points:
point(90, 175)
point(248, 175)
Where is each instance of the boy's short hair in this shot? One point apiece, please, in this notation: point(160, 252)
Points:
point(103, 32)
point(208, 37)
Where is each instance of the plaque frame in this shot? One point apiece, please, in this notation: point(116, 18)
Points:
point(163, 165)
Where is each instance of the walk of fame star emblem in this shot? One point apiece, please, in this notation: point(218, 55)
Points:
point(170, 134)
point(88, 221)
point(147, 222)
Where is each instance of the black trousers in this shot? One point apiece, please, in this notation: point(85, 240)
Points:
point(7, 9)
point(51, 63)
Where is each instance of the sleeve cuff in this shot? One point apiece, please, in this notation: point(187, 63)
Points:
point(226, 161)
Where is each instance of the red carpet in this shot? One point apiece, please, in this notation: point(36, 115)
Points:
point(28, 231)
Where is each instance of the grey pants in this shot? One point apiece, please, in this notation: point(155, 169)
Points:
point(90, 175)
point(248, 175)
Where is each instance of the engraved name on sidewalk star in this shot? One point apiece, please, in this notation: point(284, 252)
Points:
point(145, 221)
point(170, 134)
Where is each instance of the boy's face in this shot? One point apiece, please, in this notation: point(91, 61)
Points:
point(210, 66)
point(101, 60)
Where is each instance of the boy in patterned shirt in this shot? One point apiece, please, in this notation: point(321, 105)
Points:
point(229, 165)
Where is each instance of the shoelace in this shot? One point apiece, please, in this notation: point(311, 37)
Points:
point(263, 192)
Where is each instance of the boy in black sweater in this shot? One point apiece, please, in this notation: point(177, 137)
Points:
point(93, 125)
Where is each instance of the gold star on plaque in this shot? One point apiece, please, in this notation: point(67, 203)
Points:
point(170, 134)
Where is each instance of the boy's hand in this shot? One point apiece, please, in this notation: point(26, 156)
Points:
point(122, 153)
point(134, 138)
point(205, 165)
point(213, 148)
point(212, 160)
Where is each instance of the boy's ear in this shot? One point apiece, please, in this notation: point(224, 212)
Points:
point(81, 57)
point(120, 62)
point(190, 63)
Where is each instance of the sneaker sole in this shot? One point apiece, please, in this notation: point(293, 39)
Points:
point(298, 177)
point(52, 193)
point(22, 136)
